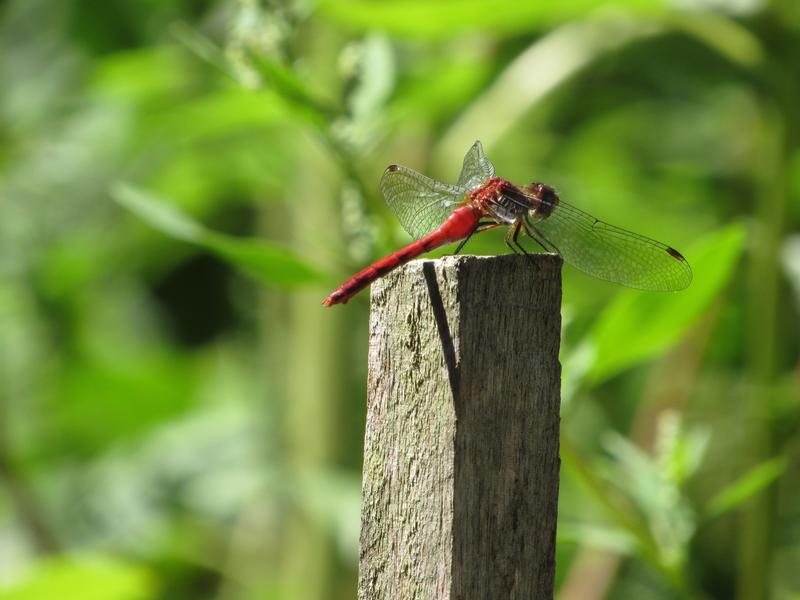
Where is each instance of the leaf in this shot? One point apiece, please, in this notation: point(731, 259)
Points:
point(730, 39)
point(220, 113)
point(745, 487)
point(130, 393)
point(82, 578)
point(613, 539)
point(438, 19)
point(139, 74)
point(296, 95)
point(638, 325)
point(547, 63)
point(265, 261)
point(158, 213)
point(679, 449)
point(375, 77)
point(287, 84)
point(268, 262)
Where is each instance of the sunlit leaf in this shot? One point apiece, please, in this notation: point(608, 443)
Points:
point(440, 88)
point(679, 450)
point(221, 113)
point(376, 74)
point(725, 35)
point(639, 325)
point(294, 90)
point(597, 536)
point(790, 260)
point(634, 471)
point(669, 516)
point(202, 46)
point(746, 486)
point(158, 213)
point(268, 262)
point(299, 99)
point(547, 63)
point(139, 74)
point(129, 393)
point(82, 578)
point(433, 19)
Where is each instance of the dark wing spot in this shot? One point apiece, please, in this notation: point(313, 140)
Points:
point(391, 168)
point(675, 254)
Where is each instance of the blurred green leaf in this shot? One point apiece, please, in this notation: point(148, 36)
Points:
point(221, 113)
point(597, 536)
point(294, 90)
point(265, 261)
point(638, 325)
point(745, 487)
point(139, 74)
point(303, 102)
point(203, 47)
point(375, 77)
point(158, 213)
point(669, 517)
point(128, 393)
point(268, 262)
point(334, 497)
point(82, 578)
point(440, 87)
point(436, 19)
point(679, 450)
point(634, 471)
point(726, 36)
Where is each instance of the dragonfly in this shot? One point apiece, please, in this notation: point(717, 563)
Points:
point(435, 214)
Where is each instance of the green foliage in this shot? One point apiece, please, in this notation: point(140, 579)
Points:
point(649, 323)
point(84, 578)
point(417, 18)
point(749, 484)
point(268, 262)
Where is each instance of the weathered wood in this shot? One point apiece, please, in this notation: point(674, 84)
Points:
point(461, 452)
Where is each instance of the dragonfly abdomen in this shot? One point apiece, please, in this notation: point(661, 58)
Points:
point(458, 225)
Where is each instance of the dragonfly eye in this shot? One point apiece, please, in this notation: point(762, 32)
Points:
point(545, 195)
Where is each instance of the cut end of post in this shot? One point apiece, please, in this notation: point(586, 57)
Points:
point(507, 279)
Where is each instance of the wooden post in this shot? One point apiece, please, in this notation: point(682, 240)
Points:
point(460, 489)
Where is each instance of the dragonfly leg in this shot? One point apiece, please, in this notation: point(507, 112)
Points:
point(512, 241)
point(483, 226)
point(538, 237)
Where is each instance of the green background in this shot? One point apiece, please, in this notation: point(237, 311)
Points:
point(182, 183)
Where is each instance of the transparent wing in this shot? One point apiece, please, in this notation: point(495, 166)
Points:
point(476, 168)
point(420, 203)
point(611, 253)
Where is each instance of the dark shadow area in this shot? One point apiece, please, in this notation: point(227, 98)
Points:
point(195, 300)
point(448, 349)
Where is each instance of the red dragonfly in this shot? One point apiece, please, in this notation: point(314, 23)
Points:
point(436, 214)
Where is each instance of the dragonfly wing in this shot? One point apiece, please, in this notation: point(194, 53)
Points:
point(420, 203)
point(476, 168)
point(611, 253)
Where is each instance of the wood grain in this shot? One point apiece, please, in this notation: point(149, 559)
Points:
point(461, 459)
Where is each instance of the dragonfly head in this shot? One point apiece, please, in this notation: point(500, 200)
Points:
point(544, 199)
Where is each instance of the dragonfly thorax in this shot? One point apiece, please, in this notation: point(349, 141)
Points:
point(501, 199)
point(507, 202)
